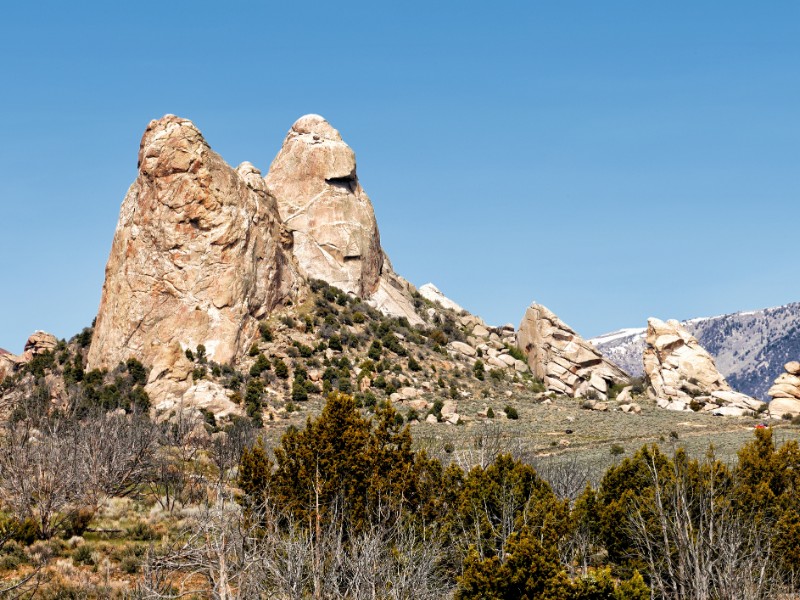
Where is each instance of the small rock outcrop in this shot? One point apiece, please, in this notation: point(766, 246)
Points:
point(199, 256)
point(38, 343)
point(785, 392)
point(565, 362)
point(681, 374)
point(331, 219)
point(432, 293)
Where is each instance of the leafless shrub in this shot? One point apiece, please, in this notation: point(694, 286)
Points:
point(52, 473)
point(566, 475)
point(237, 556)
point(696, 545)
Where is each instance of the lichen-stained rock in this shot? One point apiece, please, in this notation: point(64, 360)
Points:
point(680, 372)
point(198, 257)
point(562, 359)
point(785, 392)
point(321, 202)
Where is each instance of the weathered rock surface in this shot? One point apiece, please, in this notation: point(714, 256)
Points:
point(8, 363)
point(432, 293)
point(785, 392)
point(198, 257)
point(680, 373)
point(322, 203)
point(38, 343)
point(565, 362)
point(331, 218)
point(394, 295)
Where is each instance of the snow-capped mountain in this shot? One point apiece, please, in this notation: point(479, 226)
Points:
point(750, 348)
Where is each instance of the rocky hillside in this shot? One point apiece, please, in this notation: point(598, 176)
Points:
point(749, 348)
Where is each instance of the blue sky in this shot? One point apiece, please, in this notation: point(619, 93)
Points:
point(612, 160)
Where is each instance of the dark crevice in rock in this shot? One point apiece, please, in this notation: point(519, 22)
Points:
point(348, 183)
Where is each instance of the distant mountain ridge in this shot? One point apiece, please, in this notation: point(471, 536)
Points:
point(749, 347)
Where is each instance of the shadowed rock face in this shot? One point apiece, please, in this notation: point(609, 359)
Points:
point(197, 258)
point(562, 359)
point(322, 203)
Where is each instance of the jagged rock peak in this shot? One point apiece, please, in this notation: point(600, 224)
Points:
point(562, 359)
point(785, 392)
point(322, 203)
point(680, 372)
point(197, 258)
point(331, 218)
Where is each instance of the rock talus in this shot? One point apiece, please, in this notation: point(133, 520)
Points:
point(680, 372)
point(562, 359)
point(198, 257)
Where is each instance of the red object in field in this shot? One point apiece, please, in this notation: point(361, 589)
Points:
point(761, 426)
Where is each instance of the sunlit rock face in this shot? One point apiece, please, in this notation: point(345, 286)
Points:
point(680, 373)
point(199, 256)
point(565, 362)
point(331, 218)
point(323, 204)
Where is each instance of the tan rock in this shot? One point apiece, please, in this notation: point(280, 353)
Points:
point(322, 203)
point(781, 406)
point(432, 293)
point(463, 348)
point(785, 392)
point(8, 363)
point(450, 407)
point(681, 372)
point(331, 219)
point(480, 331)
point(561, 358)
point(793, 367)
point(197, 258)
point(452, 418)
point(625, 394)
point(419, 404)
point(38, 343)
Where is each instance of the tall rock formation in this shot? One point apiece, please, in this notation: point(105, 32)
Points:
point(785, 392)
point(198, 257)
point(680, 372)
point(562, 359)
point(323, 205)
point(321, 202)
